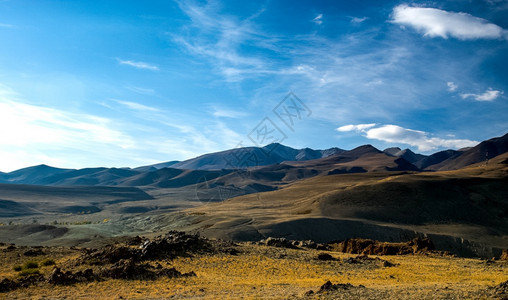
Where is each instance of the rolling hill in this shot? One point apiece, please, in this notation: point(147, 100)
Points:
point(468, 204)
point(392, 195)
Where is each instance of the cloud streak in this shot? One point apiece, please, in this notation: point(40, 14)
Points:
point(318, 19)
point(136, 106)
point(359, 127)
point(357, 20)
point(487, 96)
point(138, 65)
point(433, 22)
point(398, 135)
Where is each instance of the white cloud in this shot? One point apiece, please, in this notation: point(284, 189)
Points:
point(452, 87)
point(136, 106)
point(6, 25)
point(138, 64)
point(399, 135)
point(34, 134)
point(488, 95)
point(357, 20)
point(318, 19)
point(434, 22)
point(359, 127)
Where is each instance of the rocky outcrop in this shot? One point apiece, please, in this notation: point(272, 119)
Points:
point(372, 247)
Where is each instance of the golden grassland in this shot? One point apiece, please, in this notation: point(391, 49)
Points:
point(261, 272)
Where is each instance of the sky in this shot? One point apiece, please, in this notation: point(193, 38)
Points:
point(132, 83)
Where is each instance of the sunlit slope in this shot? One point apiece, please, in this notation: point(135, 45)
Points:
point(475, 197)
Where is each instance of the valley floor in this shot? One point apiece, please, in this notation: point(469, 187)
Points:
point(254, 271)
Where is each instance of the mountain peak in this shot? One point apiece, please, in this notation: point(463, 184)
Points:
point(393, 151)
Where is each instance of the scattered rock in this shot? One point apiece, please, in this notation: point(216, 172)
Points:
point(350, 260)
point(8, 285)
point(381, 262)
point(325, 256)
point(33, 252)
point(110, 254)
point(60, 278)
point(137, 240)
point(386, 264)
point(292, 244)
point(329, 286)
point(174, 244)
point(30, 280)
point(278, 242)
point(129, 269)
point(305, 244)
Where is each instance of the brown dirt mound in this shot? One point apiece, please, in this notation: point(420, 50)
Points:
point(372, 247)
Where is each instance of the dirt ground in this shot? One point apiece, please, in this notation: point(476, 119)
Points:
point(252, 271)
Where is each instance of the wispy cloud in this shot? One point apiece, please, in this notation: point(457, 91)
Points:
point(141, 90)
point(359, 127)
point(138, 64)
point(452, 87)
point(394, 134)
point(357, 20)
point(219, 38)
point(433, 22)
point(227, 113)
point(33, 134)
point(136, 106)
point(6, 25)
point(30, 132)
point(488, 95)
point(318, 19)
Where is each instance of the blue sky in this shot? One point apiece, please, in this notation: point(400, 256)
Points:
point(130, 83)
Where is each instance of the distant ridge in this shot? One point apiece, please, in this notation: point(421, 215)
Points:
point(407, 154)
point(32, 175)
point(274, 162)
point(485, 150)
point(253, 156)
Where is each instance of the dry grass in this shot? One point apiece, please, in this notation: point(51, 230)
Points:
point(268, 272)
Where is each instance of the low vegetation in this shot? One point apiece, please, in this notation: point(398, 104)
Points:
point(186, 266)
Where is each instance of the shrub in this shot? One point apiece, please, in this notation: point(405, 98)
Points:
point(27, 272)
point(47, 262)
point(17, 268)
point(30, 265)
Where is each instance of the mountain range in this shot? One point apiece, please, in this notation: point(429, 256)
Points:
point(457, 197)
point(279, 161)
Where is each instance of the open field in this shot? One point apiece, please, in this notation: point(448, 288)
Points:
point(257, 271)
